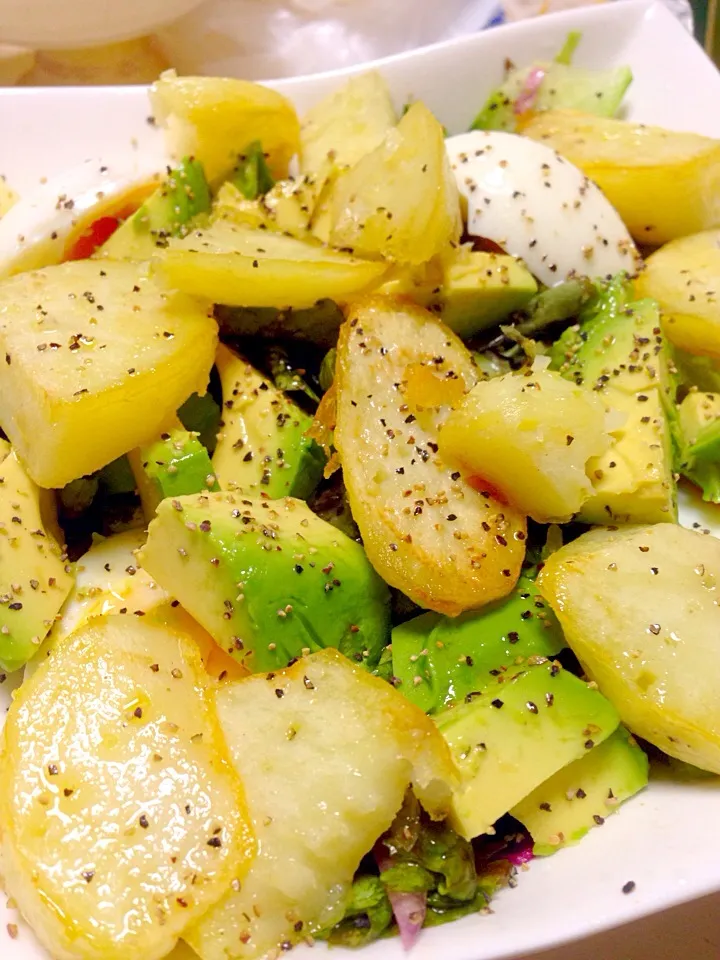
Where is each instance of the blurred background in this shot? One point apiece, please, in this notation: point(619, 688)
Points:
point(61, 42)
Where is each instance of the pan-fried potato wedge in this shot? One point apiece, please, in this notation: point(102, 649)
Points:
point(97, 358)
point(240, 267)
point(639, 608)
point(684, 278)
point(662, 183)
point(326, 752)
point(122, 818)
point(214, 119)
point(429, 529)
point(347, 124)
point(400, 201)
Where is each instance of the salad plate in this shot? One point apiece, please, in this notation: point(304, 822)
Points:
point(665, 847)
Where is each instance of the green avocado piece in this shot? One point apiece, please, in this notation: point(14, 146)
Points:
point(699, 446)
point(262, 444)
point(268, 579)
point(175, 465)
point(562, 87)
point(480, 289)
point(34, 574)
point(168, 212)
point(582, 795)
point(442, 660)
point(618, 349)
point(252, 175)
point(515, 736)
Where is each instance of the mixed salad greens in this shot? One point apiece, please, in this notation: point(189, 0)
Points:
point(338, 512)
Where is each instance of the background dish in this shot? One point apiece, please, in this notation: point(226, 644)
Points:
point(665, 840)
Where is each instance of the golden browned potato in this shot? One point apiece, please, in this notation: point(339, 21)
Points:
point(96, 359)
point(684, 277)
point(639, 607)
point(400, 201)
point(214, 119)
point(123, 818)
point(346, 125)
point(326, 752)
point(238, 266)
point(531, 434)
point(434, 531)
point(662, 183)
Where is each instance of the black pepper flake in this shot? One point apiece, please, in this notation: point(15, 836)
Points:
point(53, 769)
point(549, 699)
point(497, 703)
point(137, 712)
point(589, 744)
point(154, 667)
point(629, 886)
point(532, 707)
point(309, 685)
point(580, 793)
point(598, 819)
point(214, 842)
point(513, 636)
point(546, 807)
point(143, 821)
point(87, 875)
point(279, 693)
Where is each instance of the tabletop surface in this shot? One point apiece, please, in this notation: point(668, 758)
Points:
point(688, 932)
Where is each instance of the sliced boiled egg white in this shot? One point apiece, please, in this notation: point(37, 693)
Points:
point(45, 225)
point(539, 207)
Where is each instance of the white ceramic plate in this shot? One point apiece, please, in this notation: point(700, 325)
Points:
point(667, 839)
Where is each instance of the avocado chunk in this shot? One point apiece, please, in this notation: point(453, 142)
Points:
point(252, 175)
point(268, 579)
point(618, 350)
point(515, 736)
point(479, 289)
point(168, 212)
point(174, 465)
point(34, 577)
point(442, 660)
point(262, 445)
point(584, 793)
point(558, 86)
point(699, 446)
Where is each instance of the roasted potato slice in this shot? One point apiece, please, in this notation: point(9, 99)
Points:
point(531, 434)
point(123, 819)
point(662, 183)
point(96, 359)
point(432, 530)
point(639, 608)
point(241, 267)
point(400, 201)
point(684, 278)
point(214, 119)
point(326, 752)
point(346, 125)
